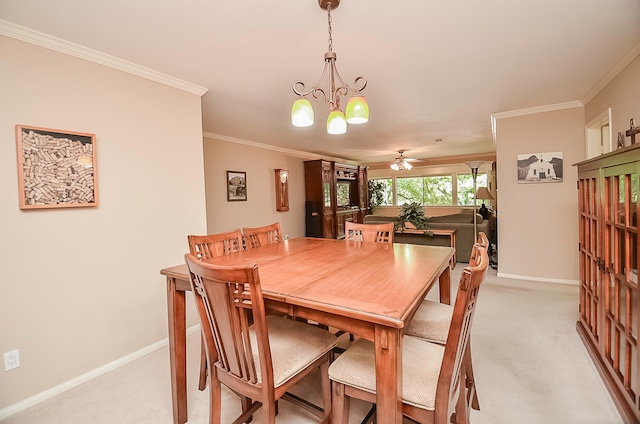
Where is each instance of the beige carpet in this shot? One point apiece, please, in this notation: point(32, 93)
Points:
point(529, 363)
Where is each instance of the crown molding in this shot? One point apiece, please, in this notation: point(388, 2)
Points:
point(536, 109)
point(627, 57)
point(43, 40)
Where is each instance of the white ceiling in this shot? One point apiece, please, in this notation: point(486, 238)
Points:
point(435, 68)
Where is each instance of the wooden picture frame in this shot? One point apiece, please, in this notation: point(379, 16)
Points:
point(236, 186)
point(56, 168)
point(282, 190)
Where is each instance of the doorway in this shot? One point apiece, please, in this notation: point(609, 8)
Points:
point(598, 135)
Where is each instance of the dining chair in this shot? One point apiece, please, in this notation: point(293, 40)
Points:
point(433, 385)
point(261, 236)
point(260, 357)
point(483, 241)
point(432, 320)
point(379, 233)
point(207, 247)
point(212, 245)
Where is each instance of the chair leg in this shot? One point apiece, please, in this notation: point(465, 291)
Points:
point(326, 388)
point(215, 401)
point(246, 405)
point(461, 415)
point(269, 411)
point(470, 381)
point(339, 405)
point(202, 382)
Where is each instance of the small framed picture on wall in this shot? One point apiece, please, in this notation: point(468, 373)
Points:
point(540, 168)
point(236, 186)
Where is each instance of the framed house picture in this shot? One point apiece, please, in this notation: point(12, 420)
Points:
point(56, 168)
point(540, 168)
point(236, 186)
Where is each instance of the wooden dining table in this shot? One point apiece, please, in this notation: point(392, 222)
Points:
point(370, 290)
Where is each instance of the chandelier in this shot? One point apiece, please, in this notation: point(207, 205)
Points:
point(401, 163)
point(357, 110)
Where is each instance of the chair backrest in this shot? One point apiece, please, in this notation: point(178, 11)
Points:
point(482, 241)
point(229, 300)
point(212, 245)
point(378, 233)
point(448, 388)
point(261, 236)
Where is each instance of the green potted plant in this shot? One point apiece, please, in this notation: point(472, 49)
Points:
point(413, 213)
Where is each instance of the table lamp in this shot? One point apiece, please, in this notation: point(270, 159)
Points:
point(484, 194)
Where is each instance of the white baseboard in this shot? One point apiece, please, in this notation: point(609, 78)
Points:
point(67, 385)
point(541, 279)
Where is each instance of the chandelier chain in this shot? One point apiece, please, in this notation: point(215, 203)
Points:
point(329, 21)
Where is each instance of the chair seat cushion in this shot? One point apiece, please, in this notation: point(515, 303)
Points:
point(421, 363)
point(431, 322)
point(294, 345)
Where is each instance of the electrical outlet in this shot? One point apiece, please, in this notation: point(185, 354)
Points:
point(286, 236)
point(11, 360)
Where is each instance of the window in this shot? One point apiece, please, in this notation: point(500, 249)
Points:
point(438, 190)
point(410, 190)
point(465, 187)
point(433, 190)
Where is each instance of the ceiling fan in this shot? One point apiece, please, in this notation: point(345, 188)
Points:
point(402, 163)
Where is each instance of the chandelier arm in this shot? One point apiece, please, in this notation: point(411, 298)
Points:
point(313, 89)
point(315, 95)
point(345, 88)
point(364, 83)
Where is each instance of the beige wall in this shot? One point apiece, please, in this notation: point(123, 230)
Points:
point(622, 95)
point(541, 242)
point(537, 223)
point(260, 207)
point(81, 287)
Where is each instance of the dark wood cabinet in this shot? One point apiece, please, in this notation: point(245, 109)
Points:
point(609, 299)
point(334, 193)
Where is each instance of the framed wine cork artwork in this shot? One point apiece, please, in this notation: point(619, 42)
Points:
point(56, 168)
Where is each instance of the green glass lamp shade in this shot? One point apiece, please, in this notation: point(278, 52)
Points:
point(336, 123)
point(357, 110)
point(302, 113)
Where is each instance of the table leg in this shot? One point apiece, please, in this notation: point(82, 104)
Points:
point(453, 244)
point(388, 375)
point(177, 350)
point(445, 286)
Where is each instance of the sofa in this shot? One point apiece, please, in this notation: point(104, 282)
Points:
point(461, 222)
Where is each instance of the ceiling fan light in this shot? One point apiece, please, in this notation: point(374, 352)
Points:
point(357, 110)
point(336, 122)
point(401, 163)
point(302, 113)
